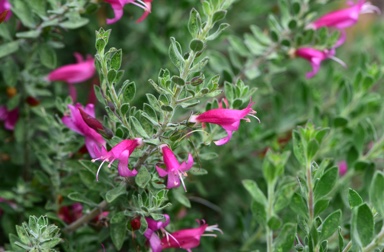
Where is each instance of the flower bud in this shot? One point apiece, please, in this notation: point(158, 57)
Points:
point(135, 223)
point(32, 101)
point(11, 92)
point(91, 121)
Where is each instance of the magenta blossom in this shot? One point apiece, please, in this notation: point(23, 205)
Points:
point(118, 6)
point(83, 70)
point(344, 18)
point(9, 117)
point(71, 213)
point(150, 233)
point(188, 238)
point(229, 119)
point(174, 170)
point(5, 10)
point(343, 168)
point(120, 152)
point(315, 57)
point(93, 140)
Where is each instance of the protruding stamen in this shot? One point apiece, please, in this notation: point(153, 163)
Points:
point(369, 8)
point(182, 181)
point(342, 63)
point(213, 228)
point(255, 117)
point(169, 235)
point(95, 159)
point(98, 170)
point(140, 4)
point(110, 163)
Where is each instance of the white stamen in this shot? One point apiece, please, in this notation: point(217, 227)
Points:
point(338, 61)
point(210, 235)
point(213, 228)
point(182, 181)
point(95, 159)
point(110, 163)
point(169, 235)
point(255, 117)
point(140, 4)
point(98, 170)
point(369, 8)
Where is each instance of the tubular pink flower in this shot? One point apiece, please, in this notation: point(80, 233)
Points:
point(5, 10)
point(93, 140)
point(152, 237)
point(174, 170)
point(229, 119)
point(83, 70)
point(9, 117)
point(120, 152)
point(118, 6)
point(315, 57)
point(345, 18)
point(188, 238)
point(343, 168)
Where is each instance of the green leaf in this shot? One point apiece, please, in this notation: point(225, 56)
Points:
point(143, 177)
point(116, 60)
point(113, 194)
point(129, 91)
point(118, 229)
point(196, 45)
point(175, 53)
point(362, 225)
point(111, 76)
point(100, 45)
point(298, 206)
point(354, 198)
point(48, 56)
point(177, 80)
point(326, 183)
point(29, 34)
point(218, 15)
point(274, 223)
point(320, 206)
point(298, 148)
point(179, 195)
point(284, 241)
point(376, 192)
point(74, 23)
point(8, 48)
point(312, 148)
point(137, 126)
point(79, 197)
point(330, 225)
point(10, 72)
point(98, 94)
point(208, 155)
point(21, 9)
point(259, 213)
point(255, 191)
point(222, 27)
point(194, 23)
point(198, 171)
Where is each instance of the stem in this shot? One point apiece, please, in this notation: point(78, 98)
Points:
point(348, 247)
point(86, 218)
point(310, 194)
point(379, 239)
point(271, 195)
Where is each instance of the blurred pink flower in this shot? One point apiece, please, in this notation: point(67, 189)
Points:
point(9, 117)
point(70, 213)
point(229, 119)
point(5, 10)
point(174, 170)
point(344, 18)
point(120, 152)
point(118, 8)
point(188, 238)
point(83, 70)
point(152, 237)
point(93, 140)
point(343, 168)
point(315, 57)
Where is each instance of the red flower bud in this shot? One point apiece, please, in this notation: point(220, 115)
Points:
point(32, 101)
point(135, 223)
point(91, 121)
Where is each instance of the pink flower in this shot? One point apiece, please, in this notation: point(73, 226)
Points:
point(93, 140)
point(83, 70)
point(174, 171)
point(343, 168)
point(315, 57)
point(71, 213)
point(229, 119)
point(152, 237)
point(9, 117)
point(120, 152)
point(344, 18)
point(5, 10)
point(118, 6)
point(188, 238)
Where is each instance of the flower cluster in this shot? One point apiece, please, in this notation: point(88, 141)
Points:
point(338, 20)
